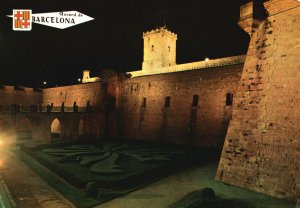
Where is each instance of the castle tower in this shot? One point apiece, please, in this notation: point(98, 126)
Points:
point(159, 49)
point(86, 76)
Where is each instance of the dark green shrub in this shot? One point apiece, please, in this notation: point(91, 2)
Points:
point(208, 194)
point(91, 189)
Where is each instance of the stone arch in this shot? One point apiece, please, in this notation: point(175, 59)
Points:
point(56, 128)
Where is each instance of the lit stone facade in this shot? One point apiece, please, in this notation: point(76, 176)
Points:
point(261, 150)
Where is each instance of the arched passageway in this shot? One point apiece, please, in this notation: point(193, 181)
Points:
point(56, 129)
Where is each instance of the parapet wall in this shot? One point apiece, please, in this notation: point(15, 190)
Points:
point(10, 95)
point(213, 63)
point(144, 114)
point(81, 94)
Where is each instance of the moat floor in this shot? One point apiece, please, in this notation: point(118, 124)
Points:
point(30, 191)
point(171, 189)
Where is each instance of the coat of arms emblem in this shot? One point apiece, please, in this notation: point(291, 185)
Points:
point(22, 20)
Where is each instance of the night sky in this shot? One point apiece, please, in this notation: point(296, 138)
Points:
point(114, 39)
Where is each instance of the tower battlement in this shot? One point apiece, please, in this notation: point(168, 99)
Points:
point(160, 30)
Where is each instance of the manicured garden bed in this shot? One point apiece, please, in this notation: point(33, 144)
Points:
point(115, 167)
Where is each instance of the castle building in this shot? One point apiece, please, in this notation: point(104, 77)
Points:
point(246, 105)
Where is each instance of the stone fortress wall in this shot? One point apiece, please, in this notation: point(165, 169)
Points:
point(196, 114)
point(200, 96)
point(262, 146)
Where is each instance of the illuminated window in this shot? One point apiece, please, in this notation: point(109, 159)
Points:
point(229, 99)
point(144, 102)
point(195, 101)
point(167, 101)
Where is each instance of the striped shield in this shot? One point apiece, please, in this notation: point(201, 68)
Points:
point(22, 20)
